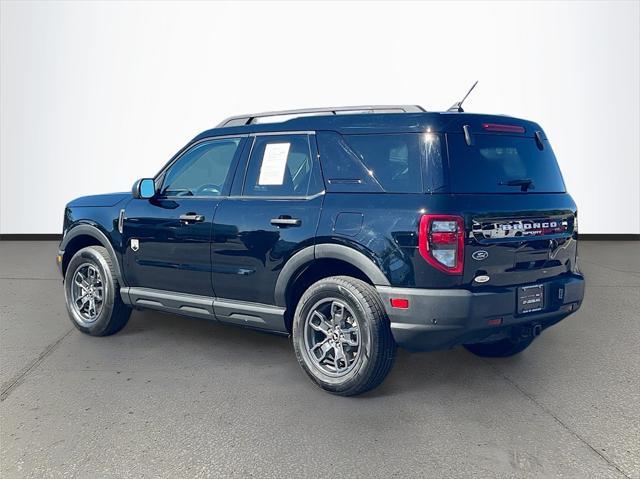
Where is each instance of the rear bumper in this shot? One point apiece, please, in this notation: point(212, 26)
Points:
point(443, 318)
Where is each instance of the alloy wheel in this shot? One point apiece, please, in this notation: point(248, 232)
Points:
point(87, 293)
point(332, 337)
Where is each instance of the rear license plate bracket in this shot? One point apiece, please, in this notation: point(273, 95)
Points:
point(530, 299)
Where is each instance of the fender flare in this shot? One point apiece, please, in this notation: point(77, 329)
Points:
point(329, 251)
point(96, 233)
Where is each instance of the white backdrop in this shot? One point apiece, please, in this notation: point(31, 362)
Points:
point(95, 95)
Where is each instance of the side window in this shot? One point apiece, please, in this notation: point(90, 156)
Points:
point(279, 165)
point(433, 175)
point(203, 170)
point(393, 160)
point(343, 169)
point(391, 163)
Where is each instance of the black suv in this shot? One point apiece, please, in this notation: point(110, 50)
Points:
point(351, 229)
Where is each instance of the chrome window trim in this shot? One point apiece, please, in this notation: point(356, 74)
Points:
point(274, 197)
point(235, 197)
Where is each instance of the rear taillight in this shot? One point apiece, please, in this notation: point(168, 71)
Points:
point(441, 242)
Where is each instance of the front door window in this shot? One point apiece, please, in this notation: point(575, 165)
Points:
point(201, 171)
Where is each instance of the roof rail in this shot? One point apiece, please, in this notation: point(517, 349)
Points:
point(252, 118)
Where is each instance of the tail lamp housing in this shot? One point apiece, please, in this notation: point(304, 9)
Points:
point(441, 242)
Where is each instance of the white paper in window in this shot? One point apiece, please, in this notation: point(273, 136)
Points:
point(274, 161)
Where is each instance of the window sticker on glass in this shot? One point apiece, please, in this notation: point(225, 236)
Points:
point(274, 162)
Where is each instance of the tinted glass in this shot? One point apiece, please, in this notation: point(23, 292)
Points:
point(493, 161)
point(343, 170)
point(279, 166)
point(433, 174)
point(392, 163)
point(201, 171)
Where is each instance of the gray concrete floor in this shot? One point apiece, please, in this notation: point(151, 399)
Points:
point(173, 397)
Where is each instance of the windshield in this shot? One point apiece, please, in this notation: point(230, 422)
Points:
point(502, 164)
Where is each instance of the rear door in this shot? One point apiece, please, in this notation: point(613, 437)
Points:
point(520, 220)
point(273, 212)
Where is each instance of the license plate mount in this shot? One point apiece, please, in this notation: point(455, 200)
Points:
point(530, 299)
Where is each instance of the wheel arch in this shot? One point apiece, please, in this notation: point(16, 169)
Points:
point(321, 261)
point(84, 235)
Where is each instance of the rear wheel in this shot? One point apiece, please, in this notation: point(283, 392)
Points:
point(341, 336)
point(500, 349)
point(92, 293)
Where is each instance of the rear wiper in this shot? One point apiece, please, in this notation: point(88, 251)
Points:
point(524, 183)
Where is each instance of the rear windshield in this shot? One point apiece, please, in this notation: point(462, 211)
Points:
point(502, 164)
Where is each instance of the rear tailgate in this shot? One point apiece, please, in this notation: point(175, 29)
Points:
point(520, 222)
point(522, 248)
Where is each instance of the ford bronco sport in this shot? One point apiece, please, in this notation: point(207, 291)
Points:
point(351, 229)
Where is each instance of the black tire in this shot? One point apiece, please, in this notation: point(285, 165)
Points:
point(500, 349)
point(376, 347)
point(113, 314)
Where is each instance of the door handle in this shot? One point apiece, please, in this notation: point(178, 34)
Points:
point(284, 221)
point(191, 218)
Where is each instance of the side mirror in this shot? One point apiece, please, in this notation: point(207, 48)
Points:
point(144, 188)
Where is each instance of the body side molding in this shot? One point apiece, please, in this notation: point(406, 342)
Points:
point(254, 315)
point(169, 301)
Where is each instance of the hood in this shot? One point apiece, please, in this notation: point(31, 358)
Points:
point(109, 199)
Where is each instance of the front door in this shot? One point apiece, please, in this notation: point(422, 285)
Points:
point(167, 238)
point(274, 214)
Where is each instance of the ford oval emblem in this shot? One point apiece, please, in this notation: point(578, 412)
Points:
point(480, 255)
point(483, 278)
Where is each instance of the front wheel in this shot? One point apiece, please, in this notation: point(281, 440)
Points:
point(92, 293)
point(342, 337)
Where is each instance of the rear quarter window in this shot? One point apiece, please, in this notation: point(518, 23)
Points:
point(501, 163)
point(391, 163)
